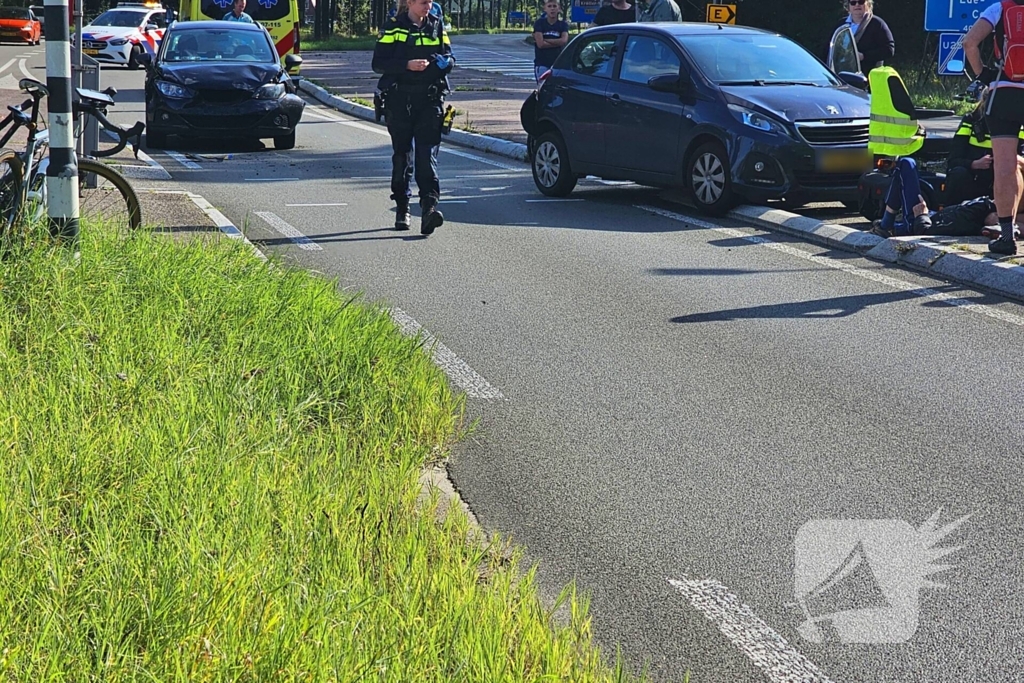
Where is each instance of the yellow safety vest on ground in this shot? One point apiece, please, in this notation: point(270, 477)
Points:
point(891, 132)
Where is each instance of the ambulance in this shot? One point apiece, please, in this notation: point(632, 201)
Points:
point(279, 17)
point(121, 34)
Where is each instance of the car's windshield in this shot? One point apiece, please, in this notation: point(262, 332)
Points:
point(118, 18)
point(14, 13)
point(760, 59)
point(218, 45)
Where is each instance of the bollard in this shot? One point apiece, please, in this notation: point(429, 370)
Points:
point(62, 173)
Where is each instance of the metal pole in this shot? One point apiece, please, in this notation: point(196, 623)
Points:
point(76, 60)
point(62, 173)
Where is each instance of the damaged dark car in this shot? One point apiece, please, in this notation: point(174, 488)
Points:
point(218, 79)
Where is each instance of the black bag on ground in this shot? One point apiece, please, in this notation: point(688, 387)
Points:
point(965, 219)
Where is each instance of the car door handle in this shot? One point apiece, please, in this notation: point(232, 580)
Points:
point(615, 99)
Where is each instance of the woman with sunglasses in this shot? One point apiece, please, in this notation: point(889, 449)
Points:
point(872, 35)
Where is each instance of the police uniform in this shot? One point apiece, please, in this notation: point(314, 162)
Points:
point(413, 108)
point(970, 143)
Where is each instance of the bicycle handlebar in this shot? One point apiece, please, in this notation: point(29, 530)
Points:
point(124, 135)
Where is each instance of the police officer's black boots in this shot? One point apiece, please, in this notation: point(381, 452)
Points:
point(431, 218)
point(402, 217)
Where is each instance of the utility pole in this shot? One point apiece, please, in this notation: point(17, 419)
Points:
point(62, 173)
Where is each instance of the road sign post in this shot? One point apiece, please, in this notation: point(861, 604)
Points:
point(62, 173)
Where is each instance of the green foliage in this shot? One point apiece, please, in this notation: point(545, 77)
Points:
point(210, 472)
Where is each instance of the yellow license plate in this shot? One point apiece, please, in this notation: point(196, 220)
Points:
point(90, 52)
point(844, 160)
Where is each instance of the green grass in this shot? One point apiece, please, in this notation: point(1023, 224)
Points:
point(210, 473)
point(931, 91)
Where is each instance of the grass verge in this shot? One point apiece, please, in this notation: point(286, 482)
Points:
point(210, 473)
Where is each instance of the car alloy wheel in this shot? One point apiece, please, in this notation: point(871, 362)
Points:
point(552, 171)
point(708, 178)
point(548, 163)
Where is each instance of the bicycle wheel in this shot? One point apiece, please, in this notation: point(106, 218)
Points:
point(10, 188)
point(112, 202)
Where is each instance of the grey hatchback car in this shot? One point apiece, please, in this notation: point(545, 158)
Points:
point(727, 112)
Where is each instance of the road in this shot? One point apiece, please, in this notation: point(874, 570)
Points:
point(693, 420)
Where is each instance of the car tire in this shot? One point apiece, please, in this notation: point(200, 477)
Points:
point(552, 172)
point(285, 141)
point(708, 179)
point(156, 140)
point(133, 58)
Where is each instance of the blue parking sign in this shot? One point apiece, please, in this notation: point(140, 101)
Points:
point(951, 54)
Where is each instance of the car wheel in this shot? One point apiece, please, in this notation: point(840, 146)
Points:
point(707, 174)
point(285, 141)
point(156, 140)
point(133, 58)
point(552, 172)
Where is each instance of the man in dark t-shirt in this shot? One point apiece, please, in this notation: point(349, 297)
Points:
point(550, 34)
point(618, 12)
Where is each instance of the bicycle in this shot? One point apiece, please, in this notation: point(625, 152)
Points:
point(23, 175)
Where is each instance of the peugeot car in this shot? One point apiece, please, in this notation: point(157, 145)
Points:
point(220, 79)
point(726, 112)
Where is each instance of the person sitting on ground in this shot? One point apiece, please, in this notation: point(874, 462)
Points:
point(617, 12)
point(969, 166)
point(907, 213)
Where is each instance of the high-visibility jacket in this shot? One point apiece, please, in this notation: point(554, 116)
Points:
point(968, 130)
point(893, 130)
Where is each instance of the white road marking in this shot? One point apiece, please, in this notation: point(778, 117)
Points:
point(768, 650)
point(894, 283)
point(21, 67)
point(474, 157)
point(288, 231)
point(546, 201)
point(183, 160)
point(494, 189)
point(9, 62)
point(453, 201)
point(222, 222)
point(458, 371)
point(265, 180)
point(339, 204)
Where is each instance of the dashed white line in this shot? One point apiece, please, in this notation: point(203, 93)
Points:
point(457, 370)
point(898, 285)
point(294, 235)
point(768, 650)
point(183, 160)
point(482, 160)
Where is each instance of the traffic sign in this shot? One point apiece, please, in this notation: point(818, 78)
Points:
point(721, 14)
point(584, 11)
point(951, 54)
point(953, 15)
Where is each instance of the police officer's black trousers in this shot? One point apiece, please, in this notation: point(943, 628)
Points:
point(414, 122)
point(965, 183)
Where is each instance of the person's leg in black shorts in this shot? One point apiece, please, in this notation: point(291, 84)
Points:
point(1005, 119)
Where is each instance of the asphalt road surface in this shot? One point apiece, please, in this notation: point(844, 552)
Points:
point(698, 421)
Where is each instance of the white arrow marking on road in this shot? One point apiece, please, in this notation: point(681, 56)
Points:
point(21, 67)
point(768, 650)
point(458, 371)
point(288, 231)
point(898, 285)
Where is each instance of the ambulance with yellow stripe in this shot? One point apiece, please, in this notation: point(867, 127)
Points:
point(279, 17)
point(121, 34)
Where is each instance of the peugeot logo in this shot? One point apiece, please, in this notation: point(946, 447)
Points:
point(832, 110)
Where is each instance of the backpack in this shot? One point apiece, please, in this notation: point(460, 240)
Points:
point(1010, 49)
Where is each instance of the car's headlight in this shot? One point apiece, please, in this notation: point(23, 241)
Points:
point(172, 90)
point(117, 41)
point(270, 91)
point(755, 120)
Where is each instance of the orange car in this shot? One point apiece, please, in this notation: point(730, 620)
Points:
point(20, 24)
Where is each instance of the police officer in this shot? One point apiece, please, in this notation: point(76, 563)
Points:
point(415, 56)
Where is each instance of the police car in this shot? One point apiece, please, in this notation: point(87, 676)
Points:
point(121, 34)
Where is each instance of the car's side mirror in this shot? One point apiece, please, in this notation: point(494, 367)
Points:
point(855, 80)
point(668, 83)
point(145, 59)
point(292, 61)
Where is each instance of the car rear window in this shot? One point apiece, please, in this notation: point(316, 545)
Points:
point(218, 45)
point(755, 60)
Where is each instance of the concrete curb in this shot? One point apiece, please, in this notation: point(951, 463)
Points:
point(976, 270)
point(1005, 279)
point(483, 143)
